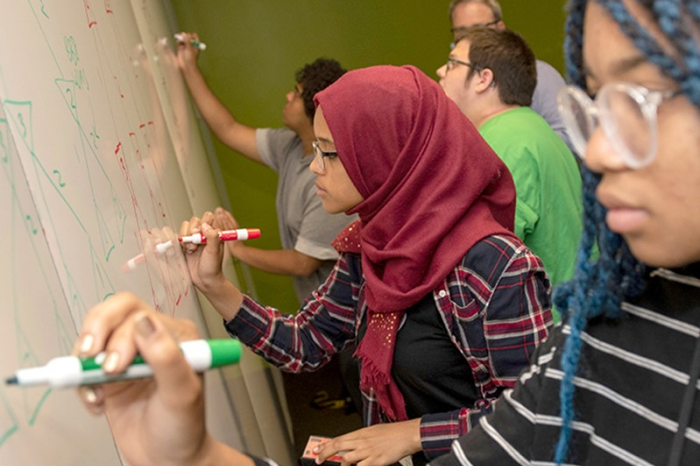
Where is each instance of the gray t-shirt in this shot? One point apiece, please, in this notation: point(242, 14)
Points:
point(544, 100)
point(303, 224)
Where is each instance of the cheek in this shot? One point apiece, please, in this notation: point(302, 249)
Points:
point(672, 190)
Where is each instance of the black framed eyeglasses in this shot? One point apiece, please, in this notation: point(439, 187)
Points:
point(320, 154)
point(453, 62)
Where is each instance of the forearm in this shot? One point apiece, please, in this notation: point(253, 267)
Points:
point(278, 261)
point(225, 298)
point(219, 119)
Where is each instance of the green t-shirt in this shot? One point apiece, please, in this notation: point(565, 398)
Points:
point(548, 210)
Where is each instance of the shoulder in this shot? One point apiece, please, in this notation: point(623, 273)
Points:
point(495, 255)
point(547, 74)
point(275, 144)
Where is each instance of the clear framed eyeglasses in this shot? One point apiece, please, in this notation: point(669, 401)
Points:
point(626, 112)
point(320, 154)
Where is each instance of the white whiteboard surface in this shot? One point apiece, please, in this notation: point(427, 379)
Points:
point(92, 180)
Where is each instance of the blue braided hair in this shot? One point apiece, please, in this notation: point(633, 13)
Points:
point(599, 286)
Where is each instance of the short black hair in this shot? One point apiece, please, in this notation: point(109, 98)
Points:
point(315, 77)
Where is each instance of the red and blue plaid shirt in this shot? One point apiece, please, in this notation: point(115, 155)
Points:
point(495, 305)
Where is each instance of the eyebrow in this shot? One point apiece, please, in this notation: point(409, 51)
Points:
point(326, 140)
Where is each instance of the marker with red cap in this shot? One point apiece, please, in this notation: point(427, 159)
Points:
point(226, 235)
point(241, 234)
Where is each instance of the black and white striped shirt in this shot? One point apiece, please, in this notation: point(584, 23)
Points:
point(630, 386)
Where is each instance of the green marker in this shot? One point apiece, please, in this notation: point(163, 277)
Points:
point(72, 371)
point(181, 39)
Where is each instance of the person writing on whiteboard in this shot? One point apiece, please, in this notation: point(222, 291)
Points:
point(621, 374)
point(444, 302)
point(306, 230)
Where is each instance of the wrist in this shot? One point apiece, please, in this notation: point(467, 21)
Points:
point(214, 453)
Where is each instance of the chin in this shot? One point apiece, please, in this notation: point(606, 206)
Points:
point(668, 256)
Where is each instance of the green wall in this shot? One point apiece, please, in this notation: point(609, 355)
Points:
point(254, 47)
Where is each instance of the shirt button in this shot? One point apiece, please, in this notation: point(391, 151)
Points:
point(442, 293)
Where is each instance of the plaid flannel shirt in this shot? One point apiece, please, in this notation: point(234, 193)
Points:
point(495, 305)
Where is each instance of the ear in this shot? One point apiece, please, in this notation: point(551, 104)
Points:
point(484, 80)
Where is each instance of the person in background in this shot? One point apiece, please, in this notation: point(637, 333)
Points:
point(618, 382)
point(490, 75)
point(306, 230)
point(466, 13)
point(445, 302)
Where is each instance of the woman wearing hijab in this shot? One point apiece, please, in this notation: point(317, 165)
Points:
point(445, 303)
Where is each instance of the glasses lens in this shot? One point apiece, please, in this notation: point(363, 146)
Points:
point(318, 157)
point(578, 113)
point(627, 125)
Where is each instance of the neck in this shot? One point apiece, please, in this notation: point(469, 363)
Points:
point(307, 136)
point(491, 112)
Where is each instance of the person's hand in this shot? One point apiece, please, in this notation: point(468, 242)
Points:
point(187, 53)
point(378, 445)
point(223, 220)
point(158, 420)
point(204, 261)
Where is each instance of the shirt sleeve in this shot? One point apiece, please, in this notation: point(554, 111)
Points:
point(544, 99)
point(273, 145)
point(308, 339)
point(516, 319)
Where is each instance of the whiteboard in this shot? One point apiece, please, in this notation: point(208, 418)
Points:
point(90, 180)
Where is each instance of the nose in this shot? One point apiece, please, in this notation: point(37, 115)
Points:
point(315, 167)
point(290, 96)
point(600, 155)
point(441, 71)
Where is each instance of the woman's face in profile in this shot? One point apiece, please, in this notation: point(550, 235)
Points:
point(338, 193)
point(656, 207)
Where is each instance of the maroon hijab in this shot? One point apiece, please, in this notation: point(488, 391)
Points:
point(432, 188)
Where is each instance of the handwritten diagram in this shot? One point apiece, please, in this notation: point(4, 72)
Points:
point(89, 179)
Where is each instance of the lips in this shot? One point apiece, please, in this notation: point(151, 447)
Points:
point(622, 217)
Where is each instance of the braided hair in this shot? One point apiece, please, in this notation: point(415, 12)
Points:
point(599, 286)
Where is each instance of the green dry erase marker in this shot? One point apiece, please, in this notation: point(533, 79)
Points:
point(72, 371)
point(200, 45)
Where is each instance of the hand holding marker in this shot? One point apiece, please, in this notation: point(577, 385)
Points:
point(181, 39)
point(72, 371)
point(241, 234)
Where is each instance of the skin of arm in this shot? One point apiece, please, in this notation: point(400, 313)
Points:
point(204, 263)
point(220, 120)
point(157, 420)
point(279, 261)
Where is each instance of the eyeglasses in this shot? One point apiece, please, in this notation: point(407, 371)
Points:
point(626, 112)
point(320, 154)
point(452, 62)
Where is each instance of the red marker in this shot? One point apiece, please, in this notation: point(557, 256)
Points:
point(241, 234)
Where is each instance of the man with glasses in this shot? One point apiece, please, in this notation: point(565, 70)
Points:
point(306, 230)
point(467, 13)
point(490, 75)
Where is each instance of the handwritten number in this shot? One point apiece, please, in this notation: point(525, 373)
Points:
point(60, 180)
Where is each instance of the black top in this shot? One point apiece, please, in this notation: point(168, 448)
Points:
point(633, 378)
